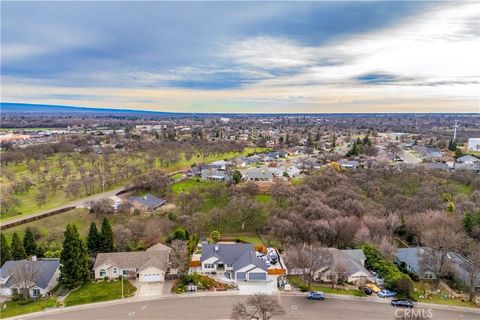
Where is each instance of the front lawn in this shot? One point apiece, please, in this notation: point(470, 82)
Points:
point(99, 291)
point(438, 298)
point(16, 308)
point(298, 282)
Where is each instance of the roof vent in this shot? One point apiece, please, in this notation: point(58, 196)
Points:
point(216, 247)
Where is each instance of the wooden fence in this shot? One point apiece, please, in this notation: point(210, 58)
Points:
point(6, 225)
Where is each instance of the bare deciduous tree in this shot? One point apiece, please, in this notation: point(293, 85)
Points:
point(26, 273)
point(308, 260)
point(179, 255)
point(257, 307)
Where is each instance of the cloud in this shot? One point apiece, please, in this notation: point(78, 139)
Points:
point(274, 56)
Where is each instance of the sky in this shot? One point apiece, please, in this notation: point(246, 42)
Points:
point(244, 57)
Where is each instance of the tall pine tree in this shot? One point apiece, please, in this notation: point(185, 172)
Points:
point(106, 239)
point(18, 251)
point(74, 261)
point(29, 243)
point(93, 239)
point(5, 251)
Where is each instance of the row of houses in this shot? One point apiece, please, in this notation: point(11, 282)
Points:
point(467, 162)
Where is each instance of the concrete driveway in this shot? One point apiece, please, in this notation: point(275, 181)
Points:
point(251, 287)
point(153, 289)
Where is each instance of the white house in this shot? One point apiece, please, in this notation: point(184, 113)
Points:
point(474, 144)
point(237, 261)
point(40, 276)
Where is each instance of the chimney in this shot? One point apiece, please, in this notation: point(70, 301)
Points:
point(145, 197)
point(33, 258)
point(216, 247)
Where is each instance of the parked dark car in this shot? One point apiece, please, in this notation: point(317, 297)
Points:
point(367, 291)
point(402, 303)
point(315, 295)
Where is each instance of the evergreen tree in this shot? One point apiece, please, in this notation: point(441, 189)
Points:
point(334, 141)
point(74, 261)
point(452, 145)
point(354, 151)
point(93, 239)
point(29, 243)
point(468, 222)
point(18, 251)
point(106, 239)
point(5, 251)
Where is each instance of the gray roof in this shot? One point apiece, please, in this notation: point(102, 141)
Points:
point(238, 255)
point(260, 174)
point(43, 271)
point(135, 259)
point(435, 166)
point(412, 257)
point(468, 158)
point(148, 201)
point(214, 174)
point(352, 259)
point(349, 163)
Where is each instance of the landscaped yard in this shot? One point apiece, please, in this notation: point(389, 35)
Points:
point(298, 282)
point(440, 298)
point(189, 184)
point(99, 291)
point(16, 308)
point(246, 237)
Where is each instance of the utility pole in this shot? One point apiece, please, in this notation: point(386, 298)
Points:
point(122, 286)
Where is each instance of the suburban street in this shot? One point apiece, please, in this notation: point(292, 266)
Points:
point(219, 307)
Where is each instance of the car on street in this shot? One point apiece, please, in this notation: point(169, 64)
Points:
point(402, 303)
point(386, 293)
point(315, 295)
point(367, 291)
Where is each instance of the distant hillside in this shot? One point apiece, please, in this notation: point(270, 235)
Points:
point(7, 107)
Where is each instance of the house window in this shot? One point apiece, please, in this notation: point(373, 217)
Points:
point(125, 272)
point(229, 265)
point(114, 270)
point(102, 273)
point(209, 266)
point(36, 292)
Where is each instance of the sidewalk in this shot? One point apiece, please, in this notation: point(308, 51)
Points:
point(228, 293)
point(377, 299)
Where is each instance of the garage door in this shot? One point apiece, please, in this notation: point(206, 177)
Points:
point(152, 278)
point(257, 276)
point(241, 275)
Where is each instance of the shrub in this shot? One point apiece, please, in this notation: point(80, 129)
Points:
point(387, 269)
point(303, 287)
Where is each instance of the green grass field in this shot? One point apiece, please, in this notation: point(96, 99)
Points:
point(298, 281)
point(28, 204)
point(16, 308)
point(192, 183)
point(92, 292)
point(51, 229)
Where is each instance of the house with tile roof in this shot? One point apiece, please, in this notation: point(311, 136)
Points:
point(237, 261)
point(146, 266)
point(40, 276)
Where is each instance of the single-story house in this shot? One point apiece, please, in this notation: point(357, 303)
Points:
point(349, 164)
point(417, 260)
point(221, 164)
point(258, 174)
point(215, 175)
point(475, 167)
point(116, 202)
point(146, 266)
point(351, 264)
point(238, 260)
point(292, 171)
point(40, 276)
point(198, 169)
point(436, 166)
point(468, 159)
point(240, 162)
point(147, 202)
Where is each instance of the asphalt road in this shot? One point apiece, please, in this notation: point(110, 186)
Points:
point(219, 307)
